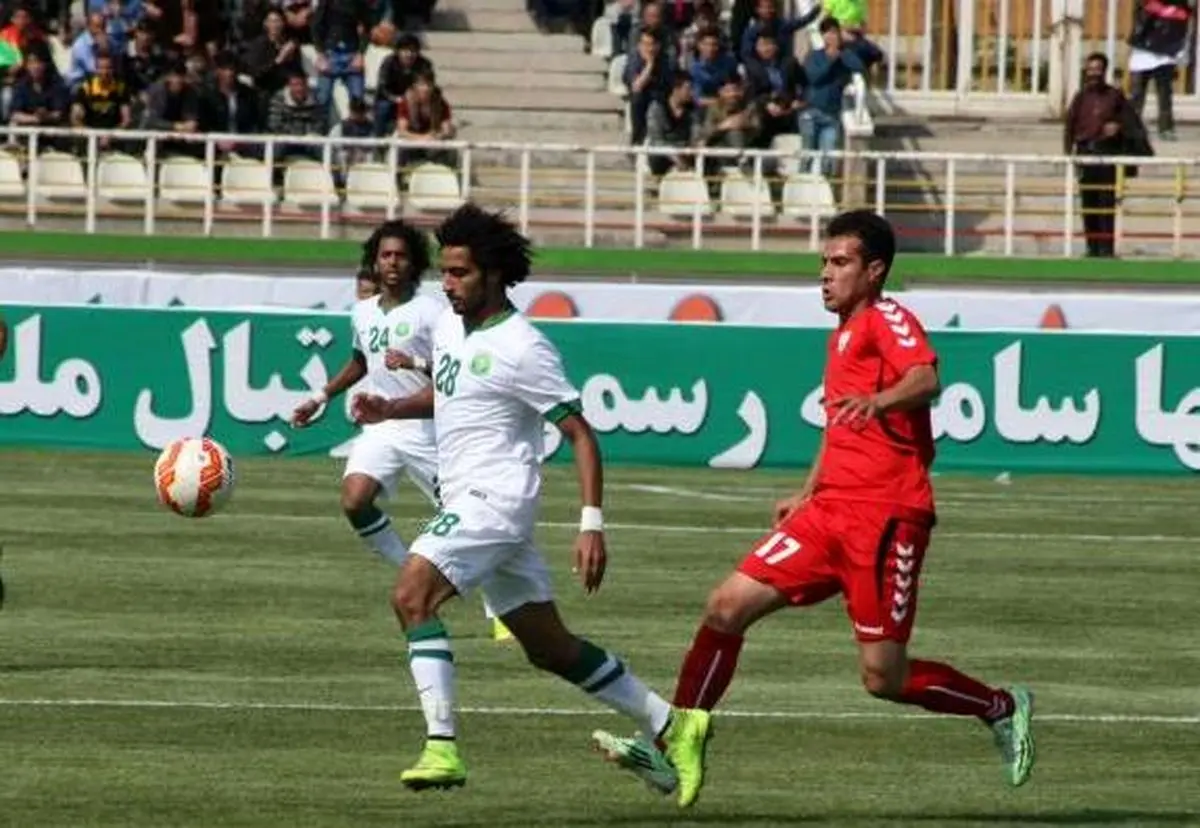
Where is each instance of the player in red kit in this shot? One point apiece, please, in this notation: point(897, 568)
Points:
point(861, 523)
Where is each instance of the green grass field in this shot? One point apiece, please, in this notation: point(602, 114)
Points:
point(244, 670)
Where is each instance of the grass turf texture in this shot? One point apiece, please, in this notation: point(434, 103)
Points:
point(693, 264)
point(273, 609)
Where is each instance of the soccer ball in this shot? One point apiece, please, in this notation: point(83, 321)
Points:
point(193, 476)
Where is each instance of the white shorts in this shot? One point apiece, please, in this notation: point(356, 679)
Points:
point(382, 455)
point(473, 546)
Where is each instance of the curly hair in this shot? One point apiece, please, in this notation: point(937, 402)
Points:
point(416, 245)
point(495, 243)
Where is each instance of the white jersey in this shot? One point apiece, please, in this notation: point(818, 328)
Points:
point(493, 388)
point(407, 327)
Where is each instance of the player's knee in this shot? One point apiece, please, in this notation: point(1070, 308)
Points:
point(726, 611)
point(355, 505)
point(882, 681)
point(412, 604)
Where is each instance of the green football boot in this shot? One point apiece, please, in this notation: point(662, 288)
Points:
point(1014, 738)
point(439, 768)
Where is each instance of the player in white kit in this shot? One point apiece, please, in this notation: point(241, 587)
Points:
point(496, 380)
point(394, 318)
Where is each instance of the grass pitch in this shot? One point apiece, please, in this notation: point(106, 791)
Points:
point(245, 670)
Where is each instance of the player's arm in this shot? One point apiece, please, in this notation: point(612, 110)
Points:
point(919, 386)
point(591, 558)
point(354, 370)
point(370, 408)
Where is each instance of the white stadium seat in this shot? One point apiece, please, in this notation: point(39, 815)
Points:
point(308, 185)
point(371, 187)
point(602, 39)
point(807, 194)
point(121, 178)
point(738, 196)
point(681, 194)
point(60, 176)
point(791, 145)
point(183, 181)
point(433, 188)
point(616, 76)
point(246, 182)
point(12, 185)
point(372, 64)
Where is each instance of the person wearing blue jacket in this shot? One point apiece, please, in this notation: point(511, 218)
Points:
point(829, 71)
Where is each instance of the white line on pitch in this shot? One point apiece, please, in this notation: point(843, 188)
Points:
point(333, 707)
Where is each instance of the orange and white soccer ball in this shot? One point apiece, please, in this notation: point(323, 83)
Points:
point(194, 476)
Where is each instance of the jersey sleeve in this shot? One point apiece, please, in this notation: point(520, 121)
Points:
point(355, 341)
point(901, 340)
point(541, 383)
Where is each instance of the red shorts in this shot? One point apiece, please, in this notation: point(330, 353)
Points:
point(869, 552)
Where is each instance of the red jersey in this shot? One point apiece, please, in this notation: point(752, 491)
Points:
point(888, 459)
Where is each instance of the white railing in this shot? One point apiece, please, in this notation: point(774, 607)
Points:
point(983, 56)
point(952, 203)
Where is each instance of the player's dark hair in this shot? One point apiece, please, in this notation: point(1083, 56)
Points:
point(416, 246)
point(874, 234)
point(495, 243)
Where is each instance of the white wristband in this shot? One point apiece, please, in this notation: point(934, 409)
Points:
point(420, 363)
point(591, 519)
point(320, 398)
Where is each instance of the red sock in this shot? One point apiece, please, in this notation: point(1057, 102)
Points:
point(707, 669)
point(942, 689)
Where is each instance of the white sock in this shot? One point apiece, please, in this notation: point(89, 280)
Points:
point(381, 538)
point(432, 663)
point(608, 681)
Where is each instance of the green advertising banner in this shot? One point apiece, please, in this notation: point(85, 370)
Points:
point(689, 395)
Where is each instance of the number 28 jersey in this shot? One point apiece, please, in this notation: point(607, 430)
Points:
point(494, 388)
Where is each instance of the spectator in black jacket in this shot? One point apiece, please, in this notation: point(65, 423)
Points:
point(173, 105)
point(396, 75)
point(296, 111)
point(340, 35)
point(776, 84)
point(648, 78)
point(39, 98)
point(230, 106)
point(1159, 39)
point(271, 58)
point(673, 122)
point(144, 60)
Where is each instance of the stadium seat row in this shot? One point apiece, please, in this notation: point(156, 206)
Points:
point(684, 194)
point(244, 182)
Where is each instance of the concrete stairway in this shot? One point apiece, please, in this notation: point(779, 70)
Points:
point(507, 82)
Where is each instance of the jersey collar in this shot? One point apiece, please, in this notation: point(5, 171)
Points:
point(493, 320)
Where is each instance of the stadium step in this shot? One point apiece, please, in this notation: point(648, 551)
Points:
point(521, 61)
point(516, 100)
point(541, 123)
point(440, 44)
point(480, 78)
point(476, 20)
point(481, 6)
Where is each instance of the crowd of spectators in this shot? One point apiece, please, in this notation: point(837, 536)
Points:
point(696, 81)
point(192, 66)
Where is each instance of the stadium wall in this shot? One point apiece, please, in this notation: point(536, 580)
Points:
point(674, 394)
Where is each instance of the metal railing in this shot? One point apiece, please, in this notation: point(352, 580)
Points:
point(944, 56)
point(590, 196)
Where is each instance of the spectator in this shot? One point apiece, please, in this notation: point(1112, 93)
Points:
point(298, 20)
point(229, 106)
point(1159, 40)
point(712, 68)
point(85, 48)
point(357, 124)
point(339, 33)
point(674, 122)
point(272, 58)
point(706, 20)
point(173, 105)
point(424, 115)
point(39, 97)
point(396, 75)
point(102, 101)
point(853, 40)
point(766, 19)
point(730, 123)
point(828, 71)
point(776, 84)
point(652, 23)
point(647, 75)
point(145, 62)
point(1101, 122)
point(296, 111)
point(22, 33)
